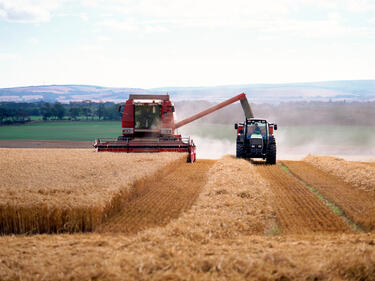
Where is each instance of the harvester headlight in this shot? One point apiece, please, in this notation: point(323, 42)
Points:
point(253, 145)
point(127, 130)
point(259, 145)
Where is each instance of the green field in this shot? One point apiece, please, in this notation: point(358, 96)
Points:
point(62, 130)
point(89, 130)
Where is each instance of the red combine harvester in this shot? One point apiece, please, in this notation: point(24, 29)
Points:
point(148, 126)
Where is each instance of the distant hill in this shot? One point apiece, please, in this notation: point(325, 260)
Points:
point(354, 90)
point(66, 93)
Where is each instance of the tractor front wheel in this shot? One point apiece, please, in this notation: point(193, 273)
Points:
point(240, 151)
point(271, 151)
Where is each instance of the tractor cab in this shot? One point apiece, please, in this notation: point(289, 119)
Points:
point(257, 127)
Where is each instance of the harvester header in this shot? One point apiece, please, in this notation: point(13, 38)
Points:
point(148, 126)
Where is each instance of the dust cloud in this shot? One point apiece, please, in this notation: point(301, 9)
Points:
point(209, 148)
point(215, 148)
point(339, 129)
point(336, 129)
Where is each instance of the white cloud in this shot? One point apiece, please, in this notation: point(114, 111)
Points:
point(103, 38)
point(346, 5)
point(84, 17)
point(186, 9)
point(105, 15)
point(2, 12)
point(260, 16)
point(332, 26)
point(27, 10)
point(127, 25)
point(155, 28)
point(359, 5)
point(136, 25)
point(33, 41)
point(266, 45)
point(8, 56)
point(88, 48)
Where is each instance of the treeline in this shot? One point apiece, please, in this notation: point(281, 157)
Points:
point(286, 114)
point(19, 113)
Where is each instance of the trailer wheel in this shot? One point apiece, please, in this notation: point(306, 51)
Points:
point(271, 151)
point(240, 151)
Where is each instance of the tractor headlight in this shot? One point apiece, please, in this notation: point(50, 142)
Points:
point(253, 145)
point(259, 145)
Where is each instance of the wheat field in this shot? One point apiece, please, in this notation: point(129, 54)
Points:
point(58, 190)
point(361, 175)
point(230, 233)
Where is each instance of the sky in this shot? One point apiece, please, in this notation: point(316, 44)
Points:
point(158, 43)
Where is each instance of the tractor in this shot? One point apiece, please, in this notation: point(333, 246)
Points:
point(255, 139)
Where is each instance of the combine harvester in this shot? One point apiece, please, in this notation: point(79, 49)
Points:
point(148, 126)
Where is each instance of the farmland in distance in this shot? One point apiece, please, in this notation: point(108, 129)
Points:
point(213, 140)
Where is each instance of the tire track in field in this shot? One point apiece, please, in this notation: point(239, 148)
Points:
point(357, 203)
point(297, 209)
point(161, 199)
point(371, 164)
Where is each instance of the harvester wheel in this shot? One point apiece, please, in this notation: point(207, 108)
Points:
point(240, 151)
point(271, 151)
point(191, 157)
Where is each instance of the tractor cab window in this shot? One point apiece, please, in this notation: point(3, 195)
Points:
point(257, 127)
point(146, 116)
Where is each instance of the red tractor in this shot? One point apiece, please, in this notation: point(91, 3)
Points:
point(148, 126)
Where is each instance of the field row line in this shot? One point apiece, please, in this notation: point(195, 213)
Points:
point(337, 210)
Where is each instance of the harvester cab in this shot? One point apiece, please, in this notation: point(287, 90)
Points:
point(148, 126)
point(147, 116)
point(255, 139)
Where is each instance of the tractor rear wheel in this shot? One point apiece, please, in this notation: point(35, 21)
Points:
point(240, 151)
point(271, 151)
